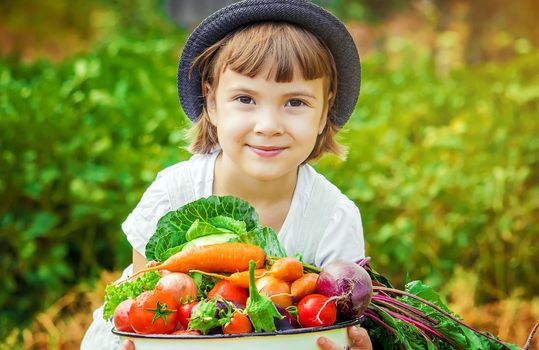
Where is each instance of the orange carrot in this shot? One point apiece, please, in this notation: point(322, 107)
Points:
point(240, 279)
point(304, 285)
point(287, 269)
point(223, 257)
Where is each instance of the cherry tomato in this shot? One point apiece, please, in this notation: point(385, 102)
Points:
point(154, 312)
point(184, 313)
point(313, 313)
point(239, 323)
point(228, 291)
point(121, 316)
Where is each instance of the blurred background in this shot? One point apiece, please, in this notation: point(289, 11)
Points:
point(443, 150)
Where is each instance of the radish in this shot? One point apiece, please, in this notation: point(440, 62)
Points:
point(349, 285)
point(181, 286)
point(121, 316)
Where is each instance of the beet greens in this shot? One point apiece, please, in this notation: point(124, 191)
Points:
point(416, 318)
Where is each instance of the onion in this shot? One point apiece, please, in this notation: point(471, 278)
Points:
point(349, 285)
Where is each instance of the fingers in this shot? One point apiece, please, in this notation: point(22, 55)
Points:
point(128, 345)
point(358, 340)
point(326, 344)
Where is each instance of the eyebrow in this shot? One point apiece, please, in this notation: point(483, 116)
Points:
point(301, 93)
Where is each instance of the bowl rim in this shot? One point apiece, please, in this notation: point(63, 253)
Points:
point(241, 335)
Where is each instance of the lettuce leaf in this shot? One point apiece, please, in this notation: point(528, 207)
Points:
point(115, 294)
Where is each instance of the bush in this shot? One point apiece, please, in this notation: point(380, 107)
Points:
point(79, 143)
point(445, 172)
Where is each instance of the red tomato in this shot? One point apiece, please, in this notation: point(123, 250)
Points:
point(228, 291)
point(184, 313)
point(313, 313)
point(180, 285)
point(154, 312)
point(121, 316)
point(239, 323)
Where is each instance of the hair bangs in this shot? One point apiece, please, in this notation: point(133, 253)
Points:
point(285, 48)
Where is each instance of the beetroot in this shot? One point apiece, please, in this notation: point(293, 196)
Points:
point(349, 285)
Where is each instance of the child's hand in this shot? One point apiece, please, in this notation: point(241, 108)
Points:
point(359, 340)
point(128, 345)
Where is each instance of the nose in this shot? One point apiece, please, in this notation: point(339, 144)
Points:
point(268, 122)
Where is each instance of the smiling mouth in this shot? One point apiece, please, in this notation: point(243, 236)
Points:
point(266, 151)
point(266, 148)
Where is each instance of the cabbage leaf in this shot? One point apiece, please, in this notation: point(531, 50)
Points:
point(212, 215)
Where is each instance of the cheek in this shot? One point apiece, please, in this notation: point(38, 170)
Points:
point(231, 129)
point(305, 130)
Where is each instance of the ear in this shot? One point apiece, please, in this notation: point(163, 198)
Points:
point(210, 105)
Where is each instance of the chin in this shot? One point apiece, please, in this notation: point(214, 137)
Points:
point(264, 174)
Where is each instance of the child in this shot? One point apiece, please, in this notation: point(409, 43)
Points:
point(267, 83)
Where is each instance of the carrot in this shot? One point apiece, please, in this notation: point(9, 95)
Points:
point(223, 257)
point(304, 285)
point(286, 269)
point(240, 279)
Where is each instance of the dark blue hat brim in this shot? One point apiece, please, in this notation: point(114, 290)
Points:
point(300, 12)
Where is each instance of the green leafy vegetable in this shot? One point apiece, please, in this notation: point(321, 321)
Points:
point(265, 238)
point(462, 337)
point(212, 239)
point(170, 233)
point(228, 223)
point(201, 229)
point(204, 283)
point(211, 216)
point(260, 308)
point(115, 294)
point(417, 318)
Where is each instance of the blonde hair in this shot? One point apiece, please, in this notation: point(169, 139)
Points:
point(247, 51)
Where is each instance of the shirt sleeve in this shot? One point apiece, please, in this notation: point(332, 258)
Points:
point(140, 225)
point(343, 238)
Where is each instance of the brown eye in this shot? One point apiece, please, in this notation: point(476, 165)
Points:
point(295, 103)
point(245, 99)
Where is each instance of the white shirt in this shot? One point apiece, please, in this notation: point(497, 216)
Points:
point(341, 235)
point(322, 223)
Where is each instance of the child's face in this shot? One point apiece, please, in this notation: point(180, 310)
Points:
point(267, 129)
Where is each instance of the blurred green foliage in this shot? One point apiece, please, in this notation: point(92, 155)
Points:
point(443, 168)
point(79, 142)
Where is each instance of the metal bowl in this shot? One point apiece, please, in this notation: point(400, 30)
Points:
point(296, 339)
